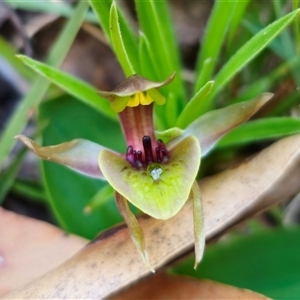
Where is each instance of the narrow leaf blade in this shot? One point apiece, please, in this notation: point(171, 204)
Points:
point(212, 42)
point(162, 43)
point(117, 42)
point(251, 49)
point(40, 86)
point(258, 130)
point(102, 9)
point(76, 87)
point(193, 108)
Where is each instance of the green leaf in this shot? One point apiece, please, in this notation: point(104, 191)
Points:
point(57, 54)
point(60, 8)
point(147, 57)
point(192, 110)
point(162, 44)
point(258, 130)
point(76, 87)
point(160, 34)
point(267, 262)
point(265, 83)
point(215, 31)
point(100, 199)
point(247, 52)
point(117, 41)
point(283, 45)
point(102, 10)
point(237, 16)
point(160, 190)
point(9, 54)
point(287, 44)
point(7, 177)
point(30, 190)
point(69, 192)
point(296, 28)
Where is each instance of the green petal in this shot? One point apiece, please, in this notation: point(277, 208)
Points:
point(169, 134)
point(210, 127)
point(161, 198)
point(199, 232)
point(157, 96)
point(134, 227)
point(119, 103)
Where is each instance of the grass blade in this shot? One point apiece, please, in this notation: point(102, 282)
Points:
point(76, 87)
point(30, 191)
point(102, 10)
point(162, 43)
point(20, 117)
point(60, 8)
point(117, 41)
point(287, 47)
point(218, 23)
point(247, 52)
point(191, 110)
point(265, 83)
point(8, 53)
point(8, 176)
point(236, 19)
point(262, 129)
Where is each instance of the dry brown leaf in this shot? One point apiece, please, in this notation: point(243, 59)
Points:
point(30, 248)
point(163, 286)
point(111, 262)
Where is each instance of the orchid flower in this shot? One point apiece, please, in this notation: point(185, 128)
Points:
point(156, 176)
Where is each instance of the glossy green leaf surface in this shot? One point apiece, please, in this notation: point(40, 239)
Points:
point(268, 263)
point(69, 192)
point(160, 197)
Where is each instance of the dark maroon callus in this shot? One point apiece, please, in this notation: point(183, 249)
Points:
point(147, 149)
point(138, 160)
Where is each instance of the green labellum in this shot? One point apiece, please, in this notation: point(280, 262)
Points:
point(162, 189)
